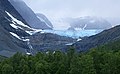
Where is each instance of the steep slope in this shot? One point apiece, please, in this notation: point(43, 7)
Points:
point(17, 36)
point(113, 45)
point(9, 44)
point(14, 36)
point(99, 39)
point(44, 19)
point(49, 41)
point(29, 16)
point(6, 5)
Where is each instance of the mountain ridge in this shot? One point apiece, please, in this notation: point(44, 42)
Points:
point(104, 37)
point(15, 33)
point(88, 22)
point(29, 16)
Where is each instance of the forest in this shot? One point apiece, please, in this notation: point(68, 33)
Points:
point(104, 59)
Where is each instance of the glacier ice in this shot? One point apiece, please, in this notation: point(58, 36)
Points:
point(73, 34)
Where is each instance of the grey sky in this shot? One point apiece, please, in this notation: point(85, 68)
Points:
point(62, 8)
point(76, 8)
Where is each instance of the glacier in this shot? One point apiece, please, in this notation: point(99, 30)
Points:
point(75, 33)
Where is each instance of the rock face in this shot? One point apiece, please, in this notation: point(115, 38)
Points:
point(8, 43)
point(16, 35)
point(5, 5)
point(49, 41)
point(44, 19)
point(90, 23)
point(29, 16)
point(99, 39)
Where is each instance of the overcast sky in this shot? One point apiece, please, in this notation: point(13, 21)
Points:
point(62, 8)
point(75, 8)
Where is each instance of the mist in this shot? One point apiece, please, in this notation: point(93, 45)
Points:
point(57, 9)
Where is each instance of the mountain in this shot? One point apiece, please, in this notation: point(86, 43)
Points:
point(44, 19)
point(49, 41)
point(8, 43)
point(29, 16)
point(88, 22)
point(16, 35)
point(113, 20)
point(104, 37)
point(113, 45)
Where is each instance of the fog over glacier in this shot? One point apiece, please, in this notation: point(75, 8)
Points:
point(58, 9)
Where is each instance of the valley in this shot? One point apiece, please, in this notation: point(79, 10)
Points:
point(30, 43)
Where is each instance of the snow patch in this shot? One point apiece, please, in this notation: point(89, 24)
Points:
point(69, 44)
point(28, 53)
point(30, 32)
point(77, 29)
point(42, 32)
point(14, 26)
point(79, 39)
point(54, 52)
point(15, 35)
point(47, 52)
point(17, 21)
point(113, 26)
point(34, 31)
point(26, 40)
point(85, 26)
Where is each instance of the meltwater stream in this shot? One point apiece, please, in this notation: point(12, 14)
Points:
point(29, 51)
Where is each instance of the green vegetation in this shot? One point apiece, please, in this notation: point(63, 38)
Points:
point(2, 58)
point(101, 60)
